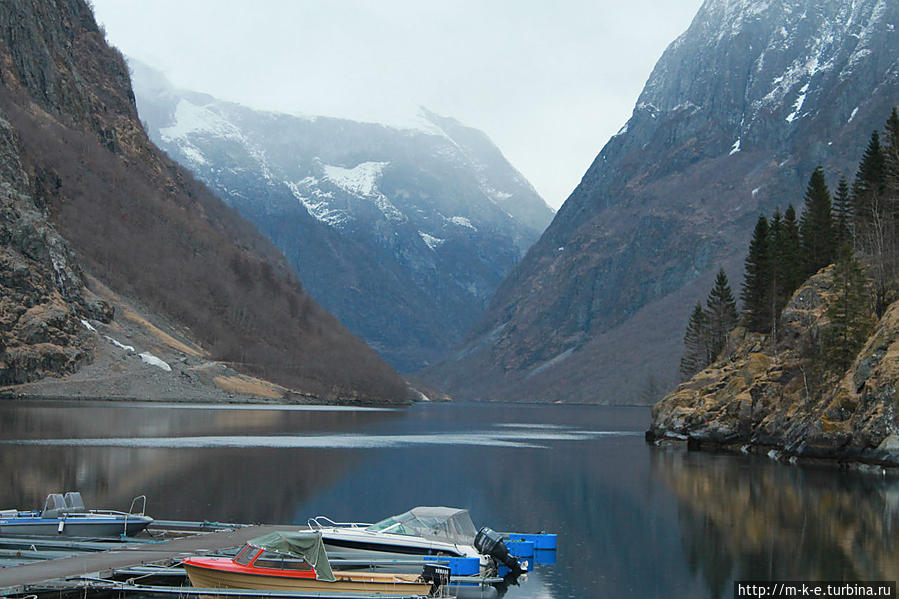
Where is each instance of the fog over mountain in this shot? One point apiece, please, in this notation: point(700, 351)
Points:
point(403, 231)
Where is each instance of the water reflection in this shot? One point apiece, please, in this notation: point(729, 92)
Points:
point(745, 517)
point(634, 521)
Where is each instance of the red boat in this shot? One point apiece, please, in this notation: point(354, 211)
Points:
point(296, 561)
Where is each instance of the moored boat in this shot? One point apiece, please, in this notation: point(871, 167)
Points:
point(67, 516)
point(297, 561)
point(421, 531)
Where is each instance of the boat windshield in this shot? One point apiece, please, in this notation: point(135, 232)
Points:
point(246, 555)
point(450, 525)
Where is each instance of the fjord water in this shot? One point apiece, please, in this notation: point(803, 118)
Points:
point(633, 520)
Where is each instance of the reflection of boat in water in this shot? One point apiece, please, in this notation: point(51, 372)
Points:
point(67, 516)
point(297, 561)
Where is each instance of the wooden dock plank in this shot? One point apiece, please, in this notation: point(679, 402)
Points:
point(14, 578)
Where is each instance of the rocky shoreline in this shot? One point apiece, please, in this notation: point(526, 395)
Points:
point(776, 398)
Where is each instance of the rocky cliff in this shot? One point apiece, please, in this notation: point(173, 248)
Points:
point(778, 398)
point(402, 231)
point(735, 115)
point(84, 190)
point(43, 291)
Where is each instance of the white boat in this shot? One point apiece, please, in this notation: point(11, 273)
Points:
point(422, 531)
point(440, 531)
point(67, 516)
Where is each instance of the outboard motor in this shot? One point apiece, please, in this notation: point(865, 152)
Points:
point(437, 575)
point(489, 542)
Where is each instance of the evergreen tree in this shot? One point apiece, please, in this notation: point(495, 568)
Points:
point(891, 160)
point(696, 349)
point(790, 254)
point(816, 225)
point(875, 209)
point(850, 313)
point(842, 213)
point(775, 249)
point(757, 280)
point(721, 315)
point(866, 192)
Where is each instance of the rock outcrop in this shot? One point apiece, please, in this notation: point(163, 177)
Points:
point(778, 398)
point(42, 291)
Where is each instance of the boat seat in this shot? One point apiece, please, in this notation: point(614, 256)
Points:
point(9, 513)
point(54, 506)
point(74, 503)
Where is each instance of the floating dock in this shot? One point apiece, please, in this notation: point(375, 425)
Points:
point(66, 567)
point(34, 577)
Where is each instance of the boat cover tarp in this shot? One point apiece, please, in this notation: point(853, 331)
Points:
point(447, 524)
point(307, 545)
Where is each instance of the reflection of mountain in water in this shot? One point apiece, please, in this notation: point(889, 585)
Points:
point(750, 519)
point(233, 484)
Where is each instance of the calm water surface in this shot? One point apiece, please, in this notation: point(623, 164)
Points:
point(633, 520)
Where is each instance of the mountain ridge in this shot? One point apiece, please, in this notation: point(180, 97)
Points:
point(673, 196)
point(403, 233)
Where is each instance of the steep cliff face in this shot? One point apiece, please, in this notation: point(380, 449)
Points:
point(403, 232)
point(765, 397)
point(43, 292)
point(76, 156)
point(736, 114)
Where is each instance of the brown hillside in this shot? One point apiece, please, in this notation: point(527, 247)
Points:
point(144, 227)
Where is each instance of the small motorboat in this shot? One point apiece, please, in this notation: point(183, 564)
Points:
point(422, 531)
point(67, 516)
point(297, 561)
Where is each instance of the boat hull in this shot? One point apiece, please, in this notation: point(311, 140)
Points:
point(73, 527)
point(369, 582)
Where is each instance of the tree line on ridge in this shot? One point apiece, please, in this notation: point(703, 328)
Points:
point(855, 228)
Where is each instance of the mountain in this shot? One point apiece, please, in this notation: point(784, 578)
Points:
point(402, 231)
point(91, 208)
point(733, 119)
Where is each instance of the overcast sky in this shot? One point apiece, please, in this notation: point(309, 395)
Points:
point(549, 82)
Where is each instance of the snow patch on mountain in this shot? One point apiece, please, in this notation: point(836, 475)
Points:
point(797, 105)
point(431, 241)
point(462, 222)
point(191, 118)
point(361, 180)
point(316, 202)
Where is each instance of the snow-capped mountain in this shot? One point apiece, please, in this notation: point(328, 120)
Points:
point(402, 232)
point(735, 116)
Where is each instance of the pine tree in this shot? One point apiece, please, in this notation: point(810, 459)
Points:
point(875, 213)
point(696, 349)
point(757, 280)
point(850, 313)
point(816, 225)
point(891, 159)
point(775, 249)
point(842, 213)
point(790, 253)
point(721, 315)
point(866, 192)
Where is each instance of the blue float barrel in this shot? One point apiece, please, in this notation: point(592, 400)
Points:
point(520, 548)
point(459, 566)
point(541, 540)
